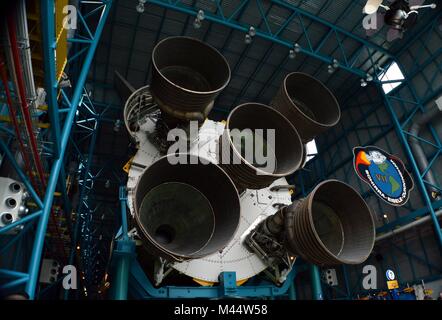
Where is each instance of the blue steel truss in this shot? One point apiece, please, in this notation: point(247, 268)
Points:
point(142, 288)
point(85, 237)
point(402, 132)
point(61, 129)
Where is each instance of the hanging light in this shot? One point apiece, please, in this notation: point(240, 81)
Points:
point(296, 49)
point(333, 66)
point(249, 35)
point(252, 31)
point(369, 77)
point(363, 83)
point(117, 125)
point(292, 54)
point(247, 39)
point(140, 6)
point(197, 23)
point(201, 16)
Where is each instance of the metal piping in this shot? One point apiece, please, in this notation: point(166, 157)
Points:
point(432, 115)
point(12, 20)
point(407, 226)
point(14, 118)
point(139, 105)
point(50, 81)
point(23, 36)
point(22, 96)
point(123, 87)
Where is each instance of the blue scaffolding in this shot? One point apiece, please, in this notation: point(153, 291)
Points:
point(61, 131)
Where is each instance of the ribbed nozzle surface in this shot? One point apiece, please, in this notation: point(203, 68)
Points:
point(332, 225)
point(187, 76)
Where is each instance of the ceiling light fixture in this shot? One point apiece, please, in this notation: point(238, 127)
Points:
point(140, 6)
point(249, 35)
point(333, 66)
point(247, 39)
point(292, 54)
point(200, 16)
point(252, 31)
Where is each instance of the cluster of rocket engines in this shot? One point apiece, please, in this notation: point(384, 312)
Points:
point(189, 211)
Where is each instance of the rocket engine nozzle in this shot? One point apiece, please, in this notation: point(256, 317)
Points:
point(181, 216)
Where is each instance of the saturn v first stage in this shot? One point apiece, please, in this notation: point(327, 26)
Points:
point(199, 205)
